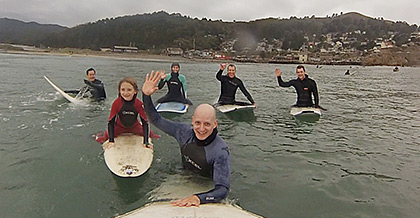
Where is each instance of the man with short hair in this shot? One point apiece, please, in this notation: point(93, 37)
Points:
point(202, 149)
point(229, 84)
point(93, 88)
point(305, 87)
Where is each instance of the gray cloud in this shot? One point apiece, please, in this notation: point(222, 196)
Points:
point(73, 12)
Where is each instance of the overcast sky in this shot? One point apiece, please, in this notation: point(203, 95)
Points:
point(73, 12)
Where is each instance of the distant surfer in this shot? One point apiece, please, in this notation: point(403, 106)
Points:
point(124, 112)
point(305, 88)
point(93, 88)
point(177, 86)
point(347, 72)
point(229, 84)
point(202, 149)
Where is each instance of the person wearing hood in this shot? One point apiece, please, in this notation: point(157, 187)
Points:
point(305, 88)
point(202, 149)
point(177, 86)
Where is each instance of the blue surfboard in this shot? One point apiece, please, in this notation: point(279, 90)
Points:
point(172, 107)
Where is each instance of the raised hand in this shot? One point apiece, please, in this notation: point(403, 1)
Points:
point(149, 85)
point(223, 66)
point(278, 72)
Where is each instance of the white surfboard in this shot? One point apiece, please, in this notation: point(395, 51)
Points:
point(128, 157)
point(166, 210)
point(65, 95)
point(232, 107)
point(173, 107)
point(303, 111)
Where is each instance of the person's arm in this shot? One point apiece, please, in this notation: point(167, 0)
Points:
point(111, 127)
point(246, 93)
point(72, 91)
point(315, 93)
point(280, 81)
point(146, 131)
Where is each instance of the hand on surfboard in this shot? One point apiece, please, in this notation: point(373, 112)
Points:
point(149, 85)
point(187, 202)
point(108, 145)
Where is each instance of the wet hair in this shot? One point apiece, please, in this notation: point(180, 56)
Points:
point(129, 80)
point(231, 65)
point(301, 66)
point(90, 69)
point(175, 64)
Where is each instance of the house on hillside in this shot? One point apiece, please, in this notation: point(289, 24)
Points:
point(129, 49)
point(173, 51)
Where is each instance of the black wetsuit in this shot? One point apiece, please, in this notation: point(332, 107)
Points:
point(209, 157)
point(176, 89)
point(228, 89)
point(304, 88)
point(97, 89)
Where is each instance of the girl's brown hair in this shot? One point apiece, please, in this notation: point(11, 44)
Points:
point(129, 80)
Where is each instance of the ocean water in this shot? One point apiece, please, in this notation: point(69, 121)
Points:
point(360, 159)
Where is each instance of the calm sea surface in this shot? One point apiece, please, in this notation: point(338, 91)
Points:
point(361, 159)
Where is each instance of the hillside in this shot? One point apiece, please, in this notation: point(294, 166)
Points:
point(160, 30)
point(29, 33)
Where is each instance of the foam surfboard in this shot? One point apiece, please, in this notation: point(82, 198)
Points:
point(232, 107)
point(65, 95)
point(128, 157)
point(303, 111)
point(173, 107)
point(166, 210)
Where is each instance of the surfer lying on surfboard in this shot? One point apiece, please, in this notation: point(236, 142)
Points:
point(305, 88)
point(229, 84)
point(124, 112)
point(93, 88)
point(202, 149)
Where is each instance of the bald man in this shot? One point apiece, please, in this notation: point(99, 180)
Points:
point(202, 149)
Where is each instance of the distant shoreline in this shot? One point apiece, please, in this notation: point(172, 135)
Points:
point(411, 58)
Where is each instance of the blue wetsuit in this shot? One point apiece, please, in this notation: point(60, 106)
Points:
point(209, 157)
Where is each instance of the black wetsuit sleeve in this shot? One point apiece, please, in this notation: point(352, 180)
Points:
point(161, 84)
point(219, 75)
point(284, 84)
point(111, 127)
point(316, 96)
point(72, 91)
point(246, 93)
point(146, 131)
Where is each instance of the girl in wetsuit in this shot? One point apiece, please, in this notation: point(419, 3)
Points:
point(124, 112)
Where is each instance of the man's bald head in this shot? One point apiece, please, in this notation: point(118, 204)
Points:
point(204, 121)
point(205, 110)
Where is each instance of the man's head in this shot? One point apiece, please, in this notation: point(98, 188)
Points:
point(91, 74)
point(204, 121)
point(300, 71)
point(231, 70)
point(175, 67)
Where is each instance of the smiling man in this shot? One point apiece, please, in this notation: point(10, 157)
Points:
point(229, 84)
point(305, 88)
point(202, 149)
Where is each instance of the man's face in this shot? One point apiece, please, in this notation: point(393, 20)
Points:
point(91, 75)
point(204, 121)
point(231, 71)
point(175, 69)
point(300, 73)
